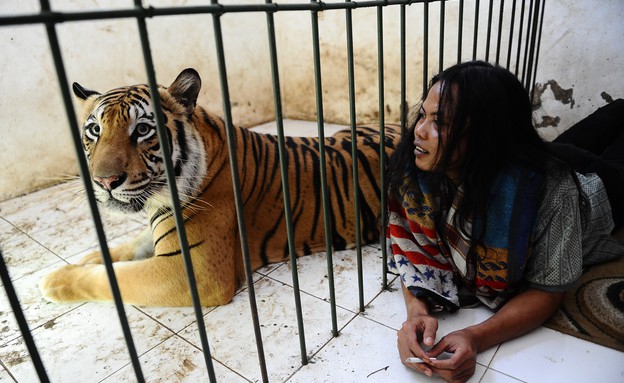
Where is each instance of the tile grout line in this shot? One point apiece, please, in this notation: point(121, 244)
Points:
point(177, 335)
point(6, 369)
point(488, 368)
point(359, 314)
point(502, 373)
point(322, 346)
point(32, 329)
point(173, 334)
point(130, 363)
point(330, 340)
point(268, 275)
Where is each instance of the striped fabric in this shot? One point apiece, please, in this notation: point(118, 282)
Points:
point(436, 260)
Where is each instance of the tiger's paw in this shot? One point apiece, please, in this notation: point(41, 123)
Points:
point(63, 285)
point(94, 258)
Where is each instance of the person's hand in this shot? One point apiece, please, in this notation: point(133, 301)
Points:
point(417, 329)
point(463, 346)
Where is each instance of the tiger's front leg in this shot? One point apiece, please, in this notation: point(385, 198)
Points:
point(157, 281)
point(140, 247)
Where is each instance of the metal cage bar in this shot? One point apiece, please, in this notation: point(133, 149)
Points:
point(535, 29)
point(231, 143)
point(511, 33)
point(382, 149)
point(536, 49)
point(519, 44)
point(488, 36)
point(425, 49)
point(84, 170)
point(5, 278)
point(475, 36)
point(285, 183)
point(173, 189)
point(500, 31)
point(529, 40)
point(354, 155)
point(460, 31)
point(322, 166)
point(403, 80)
point(441, 49)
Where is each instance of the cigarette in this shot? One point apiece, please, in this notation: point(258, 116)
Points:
point(417, 360)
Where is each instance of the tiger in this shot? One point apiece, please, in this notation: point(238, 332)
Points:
point(127, 171)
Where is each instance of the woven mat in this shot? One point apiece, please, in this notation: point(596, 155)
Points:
point(594, 310)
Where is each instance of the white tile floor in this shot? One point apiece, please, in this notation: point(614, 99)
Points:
point(84, 343)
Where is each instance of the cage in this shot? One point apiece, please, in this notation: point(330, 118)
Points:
point(371, 67)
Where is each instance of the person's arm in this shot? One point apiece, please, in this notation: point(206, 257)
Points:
point(413, 305)
point(522, 314)
point(419, 326)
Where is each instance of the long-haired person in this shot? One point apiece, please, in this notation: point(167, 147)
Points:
point(483, 211)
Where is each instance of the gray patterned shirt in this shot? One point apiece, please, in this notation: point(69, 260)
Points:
point(571, 232)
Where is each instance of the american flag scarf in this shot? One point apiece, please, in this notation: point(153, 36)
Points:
point(436, 261)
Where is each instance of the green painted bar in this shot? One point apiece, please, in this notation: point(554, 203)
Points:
point(215, 8)
point(535, 48)
point(354, 155)
point(84, 170)
point(500, 30)
point(460, 31)
point(476, 30)
point(488, 36)
point(231, 142)
point(511, 33)
point(425, 74)
point(177, 209)
point(382, 148)
point(323, 168)
point(5, 278)
point(403, 74)
point(285, 187)
point(525, 74)
point(441, 49)
point(519, 48)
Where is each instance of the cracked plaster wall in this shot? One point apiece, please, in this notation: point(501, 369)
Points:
point(579, 61)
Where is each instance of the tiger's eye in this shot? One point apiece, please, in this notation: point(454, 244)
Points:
point(93, 130)
point(143, 129)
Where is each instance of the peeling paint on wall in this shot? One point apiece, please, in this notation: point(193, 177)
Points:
point(563, 95)
point(548, 121)
point(607, 97)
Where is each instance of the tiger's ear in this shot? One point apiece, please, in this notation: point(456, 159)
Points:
point(82, 93)
point(185, 88)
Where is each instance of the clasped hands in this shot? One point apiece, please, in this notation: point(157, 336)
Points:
point(462, 345)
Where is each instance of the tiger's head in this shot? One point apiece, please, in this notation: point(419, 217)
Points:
point(122, 147)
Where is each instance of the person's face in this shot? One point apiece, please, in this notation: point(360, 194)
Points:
point(431, 127)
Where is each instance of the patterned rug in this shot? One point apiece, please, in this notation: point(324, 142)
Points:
point(594, 310)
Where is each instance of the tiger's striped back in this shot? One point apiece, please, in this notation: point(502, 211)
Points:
point(263, 195)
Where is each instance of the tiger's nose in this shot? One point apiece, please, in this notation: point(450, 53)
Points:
point(110, 182)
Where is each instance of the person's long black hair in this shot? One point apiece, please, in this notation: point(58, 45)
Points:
point(489, 121)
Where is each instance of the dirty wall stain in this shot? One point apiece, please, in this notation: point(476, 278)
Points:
point(565, 96)
point(607, 97)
